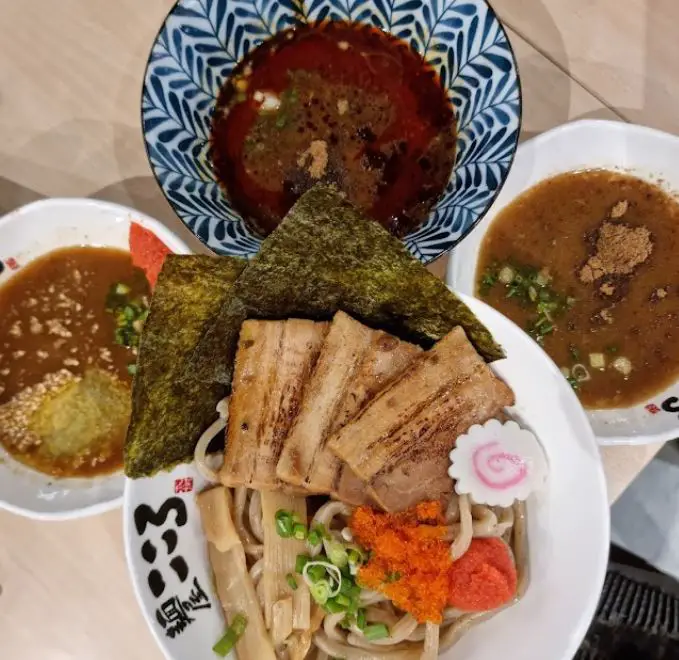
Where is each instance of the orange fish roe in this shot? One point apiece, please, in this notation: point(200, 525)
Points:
point(484, 577)
point(148, 252)
point(409, 561)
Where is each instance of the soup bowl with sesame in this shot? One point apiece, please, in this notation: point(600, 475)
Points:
point(580, 250)
point(74, 297)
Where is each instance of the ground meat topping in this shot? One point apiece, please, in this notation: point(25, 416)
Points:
point(620, 248)
point(318, 154)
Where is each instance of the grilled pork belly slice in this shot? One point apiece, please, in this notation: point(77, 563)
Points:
point(398, 444)
point(273, 362)
point(354, 364)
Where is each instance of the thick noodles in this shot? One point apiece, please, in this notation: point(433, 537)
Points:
point(408, 639)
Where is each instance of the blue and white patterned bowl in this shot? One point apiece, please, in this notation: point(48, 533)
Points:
point(201, 41)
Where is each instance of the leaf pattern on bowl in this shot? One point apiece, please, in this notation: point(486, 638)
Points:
point(201, 41)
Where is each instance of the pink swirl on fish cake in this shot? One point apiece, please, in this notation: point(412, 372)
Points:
point(491, 468)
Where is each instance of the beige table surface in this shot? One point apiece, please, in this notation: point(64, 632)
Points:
point(70, 78)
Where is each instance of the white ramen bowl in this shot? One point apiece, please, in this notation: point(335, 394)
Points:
point(643, 152)
point(568, 531)
point(25, 234)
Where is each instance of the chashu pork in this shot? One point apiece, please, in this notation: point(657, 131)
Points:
point(398, 445)
point(354, 364)
point(273, 362)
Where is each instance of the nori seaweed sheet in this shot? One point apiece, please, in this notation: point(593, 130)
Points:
point(326, 256)
point(172, 407)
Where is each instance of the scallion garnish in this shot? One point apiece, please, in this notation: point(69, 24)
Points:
point(316, 573)
point(284, 523)
point(301, 562)
point(337, 554)
point(375, 631)
point(316, 535)
point(292, 583)
point(299, 531)
point(530, 287)
point(332, 606)
point(233, 633)
point(320, 591)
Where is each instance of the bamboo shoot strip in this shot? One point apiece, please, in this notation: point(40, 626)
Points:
point(234, 586)
point(280, 557)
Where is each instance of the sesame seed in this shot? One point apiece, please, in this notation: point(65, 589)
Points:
point(16, 414)
point(56, 327)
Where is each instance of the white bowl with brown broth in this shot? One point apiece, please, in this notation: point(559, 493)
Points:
point(38, 242)
point(574, 193)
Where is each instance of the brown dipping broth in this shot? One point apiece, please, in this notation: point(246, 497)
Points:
point(554, 225)
point(54, 318)
point(358, 108)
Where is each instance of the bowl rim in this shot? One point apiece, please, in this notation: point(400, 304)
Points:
point(174, 242)
point(539, 142)
point(453, 244)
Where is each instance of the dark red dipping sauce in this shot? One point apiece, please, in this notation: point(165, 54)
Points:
point(338, 103)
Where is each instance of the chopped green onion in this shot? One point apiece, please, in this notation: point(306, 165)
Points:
point(316, 573)
point(332, 606)
point(580, 373)
point(575, 353)
point(132, 369)
point(320, 591)
point(375, 631)
point(299, 531)
point(284, 524)
point(122, 289)
point(337, 554)
point(355, 557)
point(360, 619)
point(314, 537)
point(343, 600)
point(233, 633)
point(349, 588)
point(292, 583)
point(301, 562)
point(574, 383)
point(612, 349)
